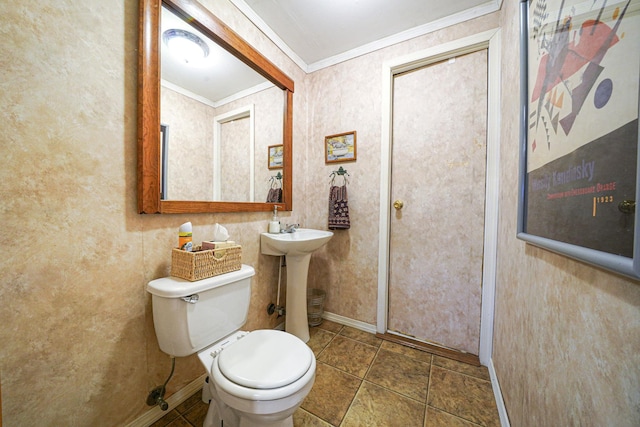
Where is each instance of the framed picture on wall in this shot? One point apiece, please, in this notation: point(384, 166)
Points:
point(276, 156)
point(340, 147)
point(580, 72)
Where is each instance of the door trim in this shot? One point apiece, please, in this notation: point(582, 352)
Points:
point(489, 40)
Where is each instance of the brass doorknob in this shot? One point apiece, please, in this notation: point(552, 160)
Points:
point(398, 204)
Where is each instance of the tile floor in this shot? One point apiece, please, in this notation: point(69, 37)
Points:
point(364, 381)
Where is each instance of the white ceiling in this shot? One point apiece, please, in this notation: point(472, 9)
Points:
point(319, 33)
point(315, 34)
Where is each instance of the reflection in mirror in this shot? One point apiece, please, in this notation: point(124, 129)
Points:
point(215, 152)
point(164, 155)
point(217, 156)
point(234, 164)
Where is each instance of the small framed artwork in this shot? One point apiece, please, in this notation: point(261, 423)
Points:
point(275, 156)
point(579, 140)
point(340, 147)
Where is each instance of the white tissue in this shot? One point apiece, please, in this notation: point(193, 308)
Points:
point(220, 234)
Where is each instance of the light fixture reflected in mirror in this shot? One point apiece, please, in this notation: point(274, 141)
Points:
point(185, 46)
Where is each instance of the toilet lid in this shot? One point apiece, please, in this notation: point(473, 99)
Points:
point(265, 359)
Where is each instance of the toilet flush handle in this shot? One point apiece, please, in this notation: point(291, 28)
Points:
point(191, 299)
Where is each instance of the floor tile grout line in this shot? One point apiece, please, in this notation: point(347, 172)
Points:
point(360, 386)
point(453, 415)
point(390, 390)
point(375, 356)
point(409, 355)
point(362, 381)
point(342, 371)
point(459, 417)
point(320, 417)
point(378, 345)
point(358, 341)
point(335, 334)
point(426, 402)
point(441, 409)
point(353, 399)
point(397, 393)
point(463, 373)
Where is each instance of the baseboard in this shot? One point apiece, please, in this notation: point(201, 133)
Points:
point(155, 413)
point(366, 327)
point(497, 393)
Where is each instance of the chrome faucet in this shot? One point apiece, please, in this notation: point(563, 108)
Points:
point(290, 228)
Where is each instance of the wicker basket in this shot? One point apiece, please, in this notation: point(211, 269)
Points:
point(201, 264)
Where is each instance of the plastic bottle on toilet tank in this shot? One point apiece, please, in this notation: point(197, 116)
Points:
point(185, 237)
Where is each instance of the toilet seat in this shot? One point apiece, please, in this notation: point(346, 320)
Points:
point(265, 359)
point(264, 365)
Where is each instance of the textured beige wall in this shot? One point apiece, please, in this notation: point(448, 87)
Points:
point(77, 345)
point(567, 336)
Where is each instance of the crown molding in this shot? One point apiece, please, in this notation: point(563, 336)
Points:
point(484, 9)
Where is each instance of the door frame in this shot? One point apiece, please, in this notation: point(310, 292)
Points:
point(489, 40)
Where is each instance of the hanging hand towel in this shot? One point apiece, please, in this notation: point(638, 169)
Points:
point(338, 208)
point(274, 195)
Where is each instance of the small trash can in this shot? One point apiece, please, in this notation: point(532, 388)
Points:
point(315, 306)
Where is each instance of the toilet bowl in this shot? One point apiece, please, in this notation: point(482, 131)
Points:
point(257, 379)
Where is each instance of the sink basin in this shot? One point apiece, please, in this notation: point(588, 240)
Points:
point(303, 241)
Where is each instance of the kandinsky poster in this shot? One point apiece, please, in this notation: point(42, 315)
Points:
point(581, 130)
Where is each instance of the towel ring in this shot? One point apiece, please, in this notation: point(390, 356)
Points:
point(340, 172)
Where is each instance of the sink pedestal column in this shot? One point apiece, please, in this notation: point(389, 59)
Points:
point(296, 322)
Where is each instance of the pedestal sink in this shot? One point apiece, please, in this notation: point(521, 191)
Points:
point(297, 247)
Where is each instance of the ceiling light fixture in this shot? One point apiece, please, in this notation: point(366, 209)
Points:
point(186, 46)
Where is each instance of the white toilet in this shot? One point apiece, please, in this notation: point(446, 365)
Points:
point(256, 378)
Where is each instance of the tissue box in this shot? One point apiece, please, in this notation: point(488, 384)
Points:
point(218, 245)
point(201, 264)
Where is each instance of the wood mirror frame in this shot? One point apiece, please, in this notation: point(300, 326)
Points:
point(149, 200)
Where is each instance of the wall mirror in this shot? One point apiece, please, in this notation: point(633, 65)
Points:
point(205, 124)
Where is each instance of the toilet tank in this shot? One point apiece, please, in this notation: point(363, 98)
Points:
point(184, 327)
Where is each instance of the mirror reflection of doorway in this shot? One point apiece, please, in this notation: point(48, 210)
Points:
point(234, 155)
